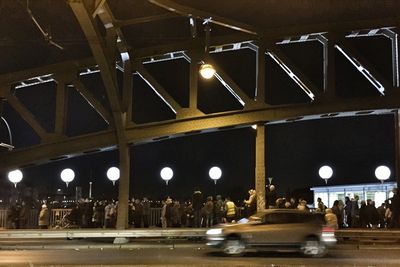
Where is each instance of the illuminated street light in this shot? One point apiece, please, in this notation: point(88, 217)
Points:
point(215, 173)
point(113, 174)
point(15, 177)
point(254, 126)
point(166, 174)
point(67, 176)
point(382, 173)
point(325, 172)
point(207, 71)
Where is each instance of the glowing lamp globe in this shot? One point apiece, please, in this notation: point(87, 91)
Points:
point(207, 71)
point(325, 172)
point(382, 173)
point(166, 174)
point(15, 177)
point(113, 174)
point(215, 173)
point(67, 176)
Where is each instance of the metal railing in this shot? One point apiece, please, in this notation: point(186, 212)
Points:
point(56, 216)
point(31, 223)
point(3, 218)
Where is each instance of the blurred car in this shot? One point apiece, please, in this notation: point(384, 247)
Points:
point(275, 230)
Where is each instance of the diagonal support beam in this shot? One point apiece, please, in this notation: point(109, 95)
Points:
point(363, 66)
point(157, 88)
point(27, 116)
point(213, 18)
point(228, 83)
point(294, 73)
point(92, 100)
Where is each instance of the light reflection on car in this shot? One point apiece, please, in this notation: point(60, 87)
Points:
point(275, 230)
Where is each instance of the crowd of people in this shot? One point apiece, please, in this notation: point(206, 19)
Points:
point(200, 211)
point(363, 214)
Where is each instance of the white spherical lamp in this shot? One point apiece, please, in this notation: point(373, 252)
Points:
point(325, 172)
point(382, 173)
point(15, 177)
point(207, 71)
point(67, 176)
point(166, 174)
point(215, 173)
point(113, 174)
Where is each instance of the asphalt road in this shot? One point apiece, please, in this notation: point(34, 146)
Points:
point(195, 255)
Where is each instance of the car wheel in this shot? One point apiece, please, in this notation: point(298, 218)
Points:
point(312, 247)
point(234, 247)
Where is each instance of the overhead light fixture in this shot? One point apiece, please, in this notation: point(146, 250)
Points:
point(207, 71)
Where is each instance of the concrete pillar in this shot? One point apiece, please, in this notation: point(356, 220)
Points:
point(123, 193)
point(397, 146)
point(260, 166)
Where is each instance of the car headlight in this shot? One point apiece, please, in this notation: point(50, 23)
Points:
point(216, 231)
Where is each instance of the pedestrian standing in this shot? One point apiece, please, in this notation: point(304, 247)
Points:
point(209, 212)
point(44, 217)
point(230, 209)
point(23, 215)
point(146, 212)
point(271, 197)
point(197, 202)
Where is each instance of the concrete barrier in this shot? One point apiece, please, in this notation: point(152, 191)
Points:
point(101, 233)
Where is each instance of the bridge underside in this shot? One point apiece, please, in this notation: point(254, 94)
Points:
point(115, 57)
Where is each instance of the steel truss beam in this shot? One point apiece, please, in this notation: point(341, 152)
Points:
point(157, 131)
point(225, 22)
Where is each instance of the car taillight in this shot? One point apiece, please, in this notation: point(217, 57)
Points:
point(328, 235)
point(326, 229)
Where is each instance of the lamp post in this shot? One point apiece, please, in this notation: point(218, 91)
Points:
point(382, 173)
point(325, 172)
point(215, 173)
point(113, 174)
point(67, 176)
point(15, 177)
point(166, 174)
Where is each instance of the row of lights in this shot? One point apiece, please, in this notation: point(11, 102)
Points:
point(167, 173)
point(113, 174)
point(382, 173)
point(67, 175)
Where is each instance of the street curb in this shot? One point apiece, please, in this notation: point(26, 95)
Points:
point(101, 247)
point(171, 246)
